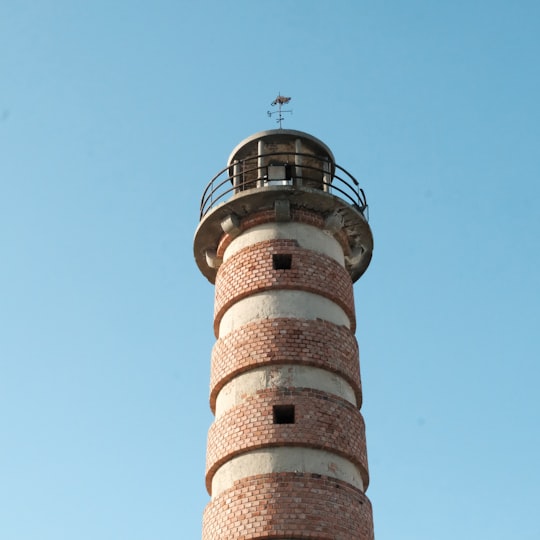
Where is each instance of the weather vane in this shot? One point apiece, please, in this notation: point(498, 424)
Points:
point(279, 101)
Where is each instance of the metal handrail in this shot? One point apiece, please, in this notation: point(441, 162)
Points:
point(227, 182)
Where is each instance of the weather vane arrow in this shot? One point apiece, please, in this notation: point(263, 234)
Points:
point(279, 101)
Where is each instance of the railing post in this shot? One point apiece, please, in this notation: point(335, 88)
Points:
point(260, 163)
point(237, 181)
point(326, 176)
point(298, 161)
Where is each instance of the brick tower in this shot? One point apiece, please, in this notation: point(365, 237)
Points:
point(283, 235)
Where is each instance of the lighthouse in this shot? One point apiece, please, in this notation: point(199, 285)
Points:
point(283, 235)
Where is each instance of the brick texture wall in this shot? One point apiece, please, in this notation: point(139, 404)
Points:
point(289, 506)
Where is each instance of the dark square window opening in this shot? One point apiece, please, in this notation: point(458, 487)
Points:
point(283, 414)
point(281, 261)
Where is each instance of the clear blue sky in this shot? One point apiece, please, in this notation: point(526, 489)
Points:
point(115, 115)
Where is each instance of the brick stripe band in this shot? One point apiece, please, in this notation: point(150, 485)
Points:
point(251, 271)
point(289, 506)
point(265, 342)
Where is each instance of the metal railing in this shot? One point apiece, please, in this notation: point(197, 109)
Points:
point(299, 170)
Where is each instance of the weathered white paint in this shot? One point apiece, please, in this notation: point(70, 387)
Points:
point(286, 375)
point(285, 459)
point(307, 236)
point(282, 303)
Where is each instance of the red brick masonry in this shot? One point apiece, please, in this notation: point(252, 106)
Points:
point(289, 506)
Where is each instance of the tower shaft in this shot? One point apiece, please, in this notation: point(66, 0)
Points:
point(286, 454)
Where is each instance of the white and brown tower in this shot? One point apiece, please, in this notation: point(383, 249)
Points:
point(283, 235)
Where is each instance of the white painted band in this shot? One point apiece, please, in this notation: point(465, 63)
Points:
point(307, 236)
point(282, 303)
point(276, 376)
point(285, 459)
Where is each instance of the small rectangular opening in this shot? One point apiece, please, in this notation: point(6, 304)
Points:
point(283, 414)
point(281, 261)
